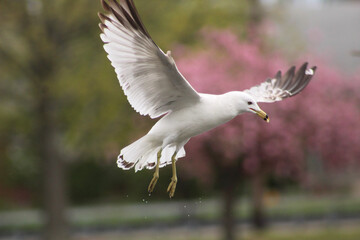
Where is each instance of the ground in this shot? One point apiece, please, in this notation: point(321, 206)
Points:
point(346, 230)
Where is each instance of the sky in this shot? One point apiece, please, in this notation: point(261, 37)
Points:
point(327, 28)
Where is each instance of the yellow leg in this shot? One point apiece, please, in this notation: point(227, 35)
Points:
point(172, 186)
point(156, 174)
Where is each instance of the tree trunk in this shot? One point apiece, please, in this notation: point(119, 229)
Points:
point(258, 214)
point(56, 227)
point(256, 11)
point(228, 217)
point(255, 18)
point(53, 168)
point(229, 178)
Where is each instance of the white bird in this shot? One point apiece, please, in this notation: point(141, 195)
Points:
point(155, 87)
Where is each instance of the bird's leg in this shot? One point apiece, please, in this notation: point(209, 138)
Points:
point(172, 186)
point(156, 174)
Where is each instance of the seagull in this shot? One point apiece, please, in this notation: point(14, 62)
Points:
point(154, 86)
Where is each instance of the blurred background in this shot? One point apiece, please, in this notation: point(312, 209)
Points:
point(64, 118)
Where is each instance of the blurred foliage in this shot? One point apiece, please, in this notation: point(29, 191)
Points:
point(94, 120)
point(179, 21)
point(301, 143)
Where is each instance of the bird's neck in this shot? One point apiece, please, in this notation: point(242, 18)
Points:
point(226, 103)
point(231, 101)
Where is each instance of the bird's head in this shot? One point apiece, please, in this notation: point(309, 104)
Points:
point(248, 104)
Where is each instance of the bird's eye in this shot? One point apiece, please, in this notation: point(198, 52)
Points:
point(249, 103)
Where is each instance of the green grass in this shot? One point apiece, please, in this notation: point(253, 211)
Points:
point(319, 232)
point(143, 213)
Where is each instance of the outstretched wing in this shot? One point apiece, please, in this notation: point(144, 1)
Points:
point(280, 87)
point(149, 78)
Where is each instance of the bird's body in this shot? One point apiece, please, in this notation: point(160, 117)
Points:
point(209, 112)
point(175, 129)
point(155, 87)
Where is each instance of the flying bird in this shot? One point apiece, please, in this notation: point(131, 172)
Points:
point(155, 87)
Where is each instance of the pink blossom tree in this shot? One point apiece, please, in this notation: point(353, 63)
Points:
point(322, 120)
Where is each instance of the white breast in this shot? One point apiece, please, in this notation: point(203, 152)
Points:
point(210, 112)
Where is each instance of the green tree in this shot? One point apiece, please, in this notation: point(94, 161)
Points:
point(176, 21)
point(38, 42)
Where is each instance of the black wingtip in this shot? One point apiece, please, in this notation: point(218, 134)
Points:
point(287, 79)
point(102, 17)
point(102, 26)
point(105, 6)
point(278, 76)
point(306, 75)
point(125, 12)
point(290, 73)
point(304, 66)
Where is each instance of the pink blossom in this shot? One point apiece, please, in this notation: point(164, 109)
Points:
point(322, 120)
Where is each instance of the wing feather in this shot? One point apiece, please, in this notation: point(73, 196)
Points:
point(280, 87)
point(149, 78)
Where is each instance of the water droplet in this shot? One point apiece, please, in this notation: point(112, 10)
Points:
point(149, 194)
point(127, 195)
point(143, 200)
point(188, 215)
point(184, 206)
point(146, 201)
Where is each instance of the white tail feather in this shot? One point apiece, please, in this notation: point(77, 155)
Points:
point(137, 153)
point(143, 153)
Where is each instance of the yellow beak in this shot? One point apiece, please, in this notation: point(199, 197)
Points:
point(262, 114)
